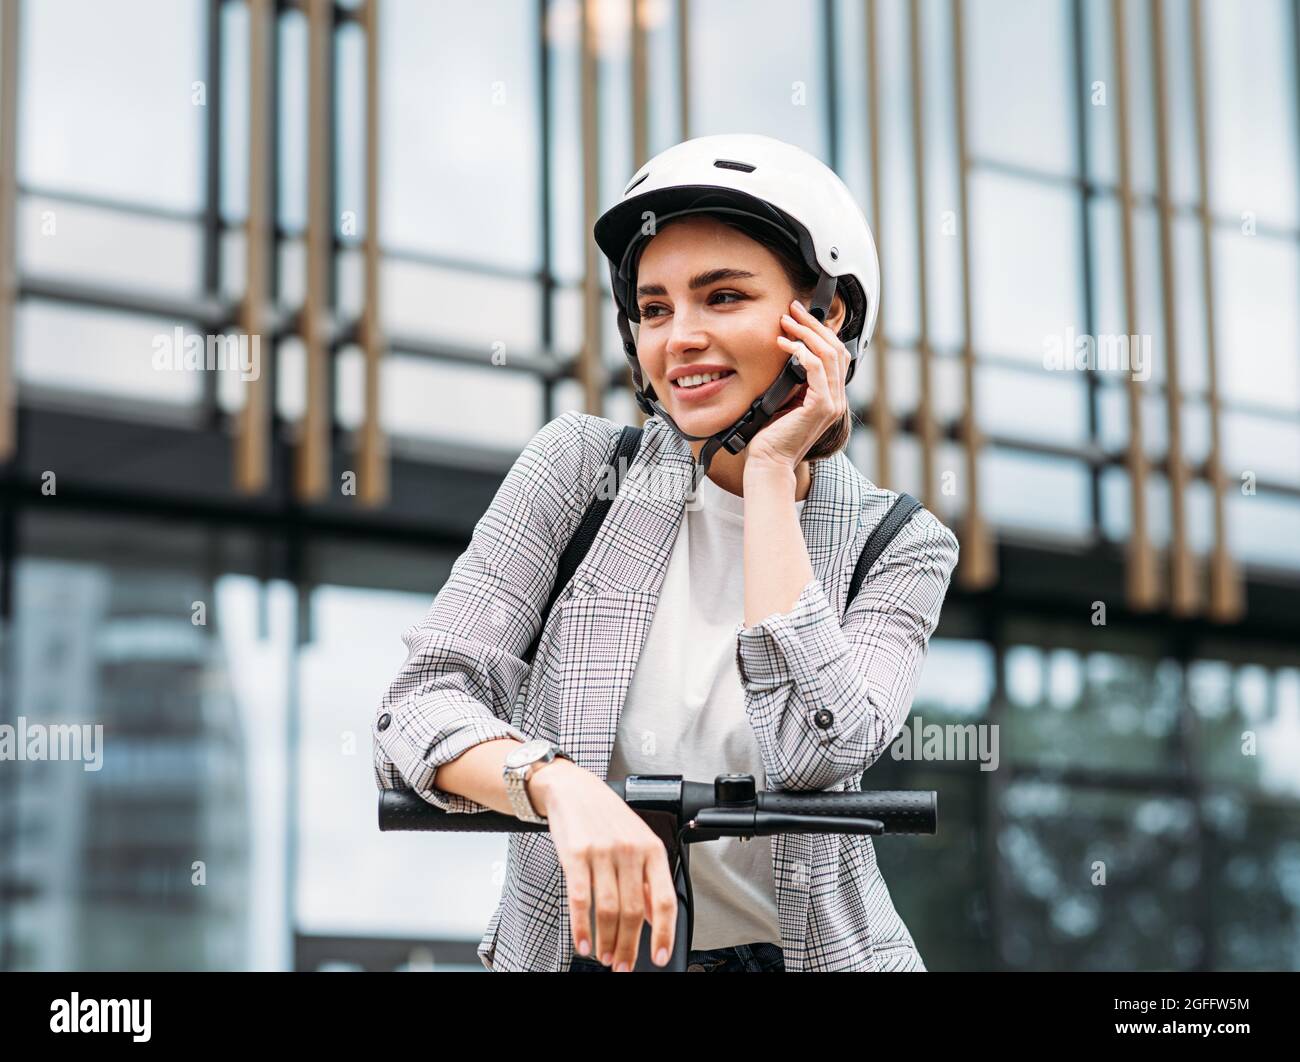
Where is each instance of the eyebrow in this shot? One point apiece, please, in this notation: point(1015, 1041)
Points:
point(700, 280)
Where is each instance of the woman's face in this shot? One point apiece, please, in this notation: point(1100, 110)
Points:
point(711, 300)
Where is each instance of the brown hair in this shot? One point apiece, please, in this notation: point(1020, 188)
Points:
point(804, 281)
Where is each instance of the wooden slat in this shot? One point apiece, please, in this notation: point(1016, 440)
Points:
point(977, 566)
point(1184, 596)
point(925, 426)
point(312, 456)
point(640, 127)
point(684, 66)
point(590, 370)
point(373, 471)
point(1141, 578)
point(252, 463)
point(882, 418)
point(1227, 599)
point(640, 78)
point(8, 220)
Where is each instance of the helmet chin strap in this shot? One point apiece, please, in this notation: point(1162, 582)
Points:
point(737, 436)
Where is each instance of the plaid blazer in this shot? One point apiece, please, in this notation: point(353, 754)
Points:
point(463, 681)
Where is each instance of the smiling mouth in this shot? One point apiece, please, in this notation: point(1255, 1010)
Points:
point(696, 381)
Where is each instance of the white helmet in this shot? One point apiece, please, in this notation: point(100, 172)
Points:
point(753, 180)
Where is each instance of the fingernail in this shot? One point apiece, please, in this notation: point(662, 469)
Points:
point(607, 958)
point(621, 968)
point(798, 305)
point(661, 956)
point(584, 947)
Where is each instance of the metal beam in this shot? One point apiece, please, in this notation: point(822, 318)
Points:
point(1087, 245)
point(181, 474)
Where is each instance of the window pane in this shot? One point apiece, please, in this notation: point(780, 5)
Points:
point(568, 226)
point(1267, 446)
point(1264, 528)
point(1030, 492)
point(443, 91)
point(1253, 891)
point(896, 238)
point(1099, 85)
point(234, 111)
point(350, 135)
point(1019, 64)
point(1037, 406)
point(1248, 726)
point(458, 306)
point(1251, 109)
point(109, 247)
point(1058, 919)
point(1104, 710)
point(923, 878)
point(1025, 261)
point(352, 878)
point(1258, 321)
point(155, 858)
point(758, 66)
point(942, 179)
point(464, 404)
point(1179, 76)
point(113, 119)
point(102, 353)
point(291, 143)
point(956, 681)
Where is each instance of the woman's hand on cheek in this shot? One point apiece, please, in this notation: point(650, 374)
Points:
point(815, 405)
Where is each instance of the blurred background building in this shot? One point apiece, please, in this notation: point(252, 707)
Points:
point(395, 199)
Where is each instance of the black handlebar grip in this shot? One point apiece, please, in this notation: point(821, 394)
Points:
point(901, 810)
point(405, 809)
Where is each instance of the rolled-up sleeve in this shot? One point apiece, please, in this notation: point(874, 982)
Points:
point(464, 666)
point(825, 699)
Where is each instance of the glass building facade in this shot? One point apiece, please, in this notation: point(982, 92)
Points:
point(399, 195)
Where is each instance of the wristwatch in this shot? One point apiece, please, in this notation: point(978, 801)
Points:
point(520, 765)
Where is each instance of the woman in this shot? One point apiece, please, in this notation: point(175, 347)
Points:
point(699, 638)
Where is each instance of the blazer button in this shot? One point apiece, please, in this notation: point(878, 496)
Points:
point(384, 720)
point(824, 718)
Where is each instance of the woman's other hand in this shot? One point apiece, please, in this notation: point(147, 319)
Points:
point(609, 856)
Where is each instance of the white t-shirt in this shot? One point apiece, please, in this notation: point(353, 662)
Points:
point(685, 713)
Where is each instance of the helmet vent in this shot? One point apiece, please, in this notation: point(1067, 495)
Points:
point(729, 164)
point(636, 181)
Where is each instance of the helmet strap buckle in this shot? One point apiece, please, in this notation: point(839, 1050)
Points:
point(738, 438)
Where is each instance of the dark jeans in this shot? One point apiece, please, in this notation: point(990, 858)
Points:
point(743, 958)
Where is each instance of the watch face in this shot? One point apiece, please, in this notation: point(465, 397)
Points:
point(527, 752)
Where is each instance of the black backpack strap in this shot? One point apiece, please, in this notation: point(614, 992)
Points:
point(629, 441)
point(881, 536)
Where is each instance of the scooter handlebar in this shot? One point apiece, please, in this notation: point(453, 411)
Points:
point(900, 811)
